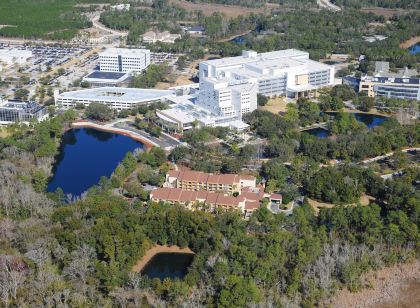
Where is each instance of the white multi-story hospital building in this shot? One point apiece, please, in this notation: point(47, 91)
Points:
point(124, 60)
point(227, 97)
point(287, 72)
point(229, 86)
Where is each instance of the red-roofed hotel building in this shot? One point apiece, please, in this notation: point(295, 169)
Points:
point(200, 181)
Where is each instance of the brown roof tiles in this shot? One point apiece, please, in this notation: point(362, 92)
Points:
point(252, 205)
point(202, 177)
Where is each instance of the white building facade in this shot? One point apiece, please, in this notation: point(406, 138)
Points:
point(228, 98)
point(124, 60)
point(279, 73)
point(228, 87)
point(114, 97)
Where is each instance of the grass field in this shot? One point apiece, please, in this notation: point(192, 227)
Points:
point(275, 105)
point(52, 19)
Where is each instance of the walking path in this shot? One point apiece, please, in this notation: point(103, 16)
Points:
point(316, 125)
point(147, 142)
point(373, 159)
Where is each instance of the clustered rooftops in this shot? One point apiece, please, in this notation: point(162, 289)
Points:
point(182, 196)
point(201, 177)
point(248, 200)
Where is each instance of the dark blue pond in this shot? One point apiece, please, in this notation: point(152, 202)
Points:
point(168, 265)
point(86, 155)
point(318, 132)
point(239, 40)
point(415, 49)
point(370, 120)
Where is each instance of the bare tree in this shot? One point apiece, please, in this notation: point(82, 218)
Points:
point(39, 252)
point(12, 275)
point(81, 264)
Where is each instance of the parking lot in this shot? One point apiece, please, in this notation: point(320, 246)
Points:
point(46, 57)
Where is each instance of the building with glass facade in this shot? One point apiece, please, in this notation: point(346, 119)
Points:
point(404, 84)
point(17, 111)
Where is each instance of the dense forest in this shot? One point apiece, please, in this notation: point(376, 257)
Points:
point(319, 32)
point(50, 19)
point(79, 252)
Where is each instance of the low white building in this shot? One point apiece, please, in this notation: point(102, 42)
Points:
point(14, 111)
point(164, 37)
point(195, 30)
point(121, 7)
point(186, 114)
point(114, 97)
point(124, 60)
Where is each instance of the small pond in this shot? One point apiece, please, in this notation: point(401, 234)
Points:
point(370, 120)
point(415, 49)
point(239, 40)
point(318, 132)
point(168, 265)
point(86, 155)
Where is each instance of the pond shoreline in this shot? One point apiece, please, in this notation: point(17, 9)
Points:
point(139, 266)
point(147, 143)
point(410, 42)
point(371, 112)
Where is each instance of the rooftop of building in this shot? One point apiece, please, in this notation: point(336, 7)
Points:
point(127, 52)
point(112, 76)
point(382, 70)
point(118, 94)
point(186, 111)
point(179, 195)
point(202, 177)
point(270, 63)
point(25, 106)
point(250, 57)
point(159, 35)
point(196, 28)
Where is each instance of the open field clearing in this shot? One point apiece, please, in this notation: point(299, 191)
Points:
point(387, 13)
point(208, 9)
point(317, 205)
point(275, 105)
point(396, 286)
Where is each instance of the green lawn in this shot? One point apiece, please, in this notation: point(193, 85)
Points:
point(52, 19)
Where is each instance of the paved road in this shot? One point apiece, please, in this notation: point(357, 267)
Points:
point(326, 4)
point(277, 210)
point(97, 24)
